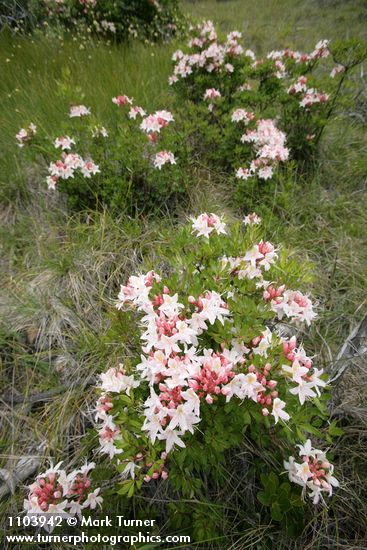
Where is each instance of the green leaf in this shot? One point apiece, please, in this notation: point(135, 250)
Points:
point(264, 498)
point(276, 512)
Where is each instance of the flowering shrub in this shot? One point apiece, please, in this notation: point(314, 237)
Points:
point(212, 362)
point(119, 20)
point(132, 165)
point(283, 100)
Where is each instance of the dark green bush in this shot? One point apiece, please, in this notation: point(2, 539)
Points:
point(115, 19)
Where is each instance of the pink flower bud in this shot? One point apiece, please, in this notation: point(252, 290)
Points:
point(209, 399)
point(265, 412)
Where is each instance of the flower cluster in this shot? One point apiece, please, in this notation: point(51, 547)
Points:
point(259, 257)
point(252, 219)
point(321, 50)
point(153, 124)
point(290, 303)
point(56, 492)
point(205, 224)
point(269, 145)
point(25, 135)
point(308, 96)
point(78, 111)
point(67, 166)
point(162, 158)
point(178, 374)
point(240, 115)
point(301, 371)
point(114, 381)
point(209, 54)
point(314, 472)
point(64, 142)
point(122, 100)
point(211, 94)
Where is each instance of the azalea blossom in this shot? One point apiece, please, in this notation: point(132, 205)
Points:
point(116, 381)
point(152, 124)
point(205, 224)
point(278, 410)
point(269, 146)
point(122, 100)
point(135, 111)
point(162, 158)
point(252, 219)
point(51, 182)
point(56, 492)
point(89, 168)
point(313, 473)
point(295, 305)
point(212, 93)
point(64, 142)
point(240, 115)
point(338, 69)
point(25, 135)
point(109, 433)
point(78, 111)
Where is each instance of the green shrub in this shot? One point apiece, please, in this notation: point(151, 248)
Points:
point(125, 172)
point(151, 20)
point(278, 106)
point(209, 328)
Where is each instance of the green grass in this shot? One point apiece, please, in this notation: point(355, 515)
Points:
point(61, 273)
point(276, 24)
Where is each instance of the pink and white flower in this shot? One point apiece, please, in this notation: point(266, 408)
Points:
point(240, 115)
point(252, 219)
point(314, 472)
point(78, 111)
point(25, 135)
point(89, 168)
point(135, 111)
point(162, 158)
point(122, 100)
point(205, 224)
point(64, 142)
